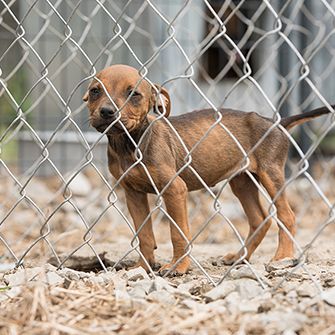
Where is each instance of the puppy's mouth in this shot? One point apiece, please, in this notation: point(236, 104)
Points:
point(102, 126)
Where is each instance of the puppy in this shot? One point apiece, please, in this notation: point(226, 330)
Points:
point(119, 101)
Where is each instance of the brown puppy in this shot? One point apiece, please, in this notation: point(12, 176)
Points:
point(215, 158)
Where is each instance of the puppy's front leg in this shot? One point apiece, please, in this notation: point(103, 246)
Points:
point(175, 198)
point(138, 206)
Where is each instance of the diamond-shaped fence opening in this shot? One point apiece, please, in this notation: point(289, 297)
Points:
point(58, 199)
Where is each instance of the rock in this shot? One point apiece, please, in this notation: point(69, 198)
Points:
point(121, 294)
point(146, 284)
point(14, 292)
point(96, 280)
point(195, 287)
point(10, 293)
point(67, 208)
point(233, 302)
point(51, 278)
point(80, 185)
point(303, 185)
point(196, 306)
point(265, 306)
point(163, 297)
point(107, 277)
point(217, 306)
point(23, 276)
point(249, 306)
point(27, 216)
point(220, 291)
point(328, 279)
point(73, 218)
point(308, 304)
point(160, 284)
point(249, 288)
point(231, 209)
point(74, 275)
point(289, 332)
point(307, 290)
point(136, 274)
point(39, 192)
point(3, 297)
point(120, 286)
point(138, 292)
point(5, 267)
point(281, 265)
point(329, 296)
point(140, 288)
point(283, 321)
point(292, 296)
point(243, 271)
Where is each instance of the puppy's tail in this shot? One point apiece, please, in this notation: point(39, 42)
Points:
point(291, 121)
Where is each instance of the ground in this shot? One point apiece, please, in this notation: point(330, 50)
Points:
point(211, 299)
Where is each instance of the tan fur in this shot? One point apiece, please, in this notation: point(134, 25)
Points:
point(215, 158)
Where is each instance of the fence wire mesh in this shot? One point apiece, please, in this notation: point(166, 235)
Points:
point(59, 203)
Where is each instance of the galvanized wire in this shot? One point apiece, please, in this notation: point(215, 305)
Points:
point(164, 30)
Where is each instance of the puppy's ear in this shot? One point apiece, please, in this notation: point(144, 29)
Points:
point(161, 100)
point(85, 97)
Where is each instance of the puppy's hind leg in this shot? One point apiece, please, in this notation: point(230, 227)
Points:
point(273, 180)
point(247, 192)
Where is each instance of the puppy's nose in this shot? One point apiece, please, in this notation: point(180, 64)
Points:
point(106, 113)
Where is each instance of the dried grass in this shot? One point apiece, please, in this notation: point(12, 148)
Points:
point(86, 308)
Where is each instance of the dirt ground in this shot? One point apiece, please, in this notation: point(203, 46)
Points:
point(251, 299)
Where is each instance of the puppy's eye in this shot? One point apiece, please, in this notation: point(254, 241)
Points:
point(94, 92)
point(133, 94)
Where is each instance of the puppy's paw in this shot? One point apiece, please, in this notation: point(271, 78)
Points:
point(281, 264)
point(173, 270)
point(140, 263)
point(230, 259)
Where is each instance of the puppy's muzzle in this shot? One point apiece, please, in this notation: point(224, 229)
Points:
point(107, 113)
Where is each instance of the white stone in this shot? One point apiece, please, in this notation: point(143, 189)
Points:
point(42, 274)
point(329, 296)
point(138, 292)
point(249, 289)
point(39, 192)
point(136, 274)
point(80, 185)
point(193, 286)
point(120, 286)
point(249, 306)
point(4, 267)
point(144, 284)
point(51, 278)
point(71, 274)
point(14, 292)
point(163, 297)
point(22, 276)
point(244, 271)
point(159, 284)
point(232, 209)
point(220, 291)
point(307, 290)
point(284, 321)
point(233, 302)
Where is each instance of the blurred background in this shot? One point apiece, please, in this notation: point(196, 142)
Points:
point(48, 49)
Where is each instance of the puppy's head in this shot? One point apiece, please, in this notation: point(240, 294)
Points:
point(119, 91)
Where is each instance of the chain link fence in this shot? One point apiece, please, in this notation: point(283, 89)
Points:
point(60, 205)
